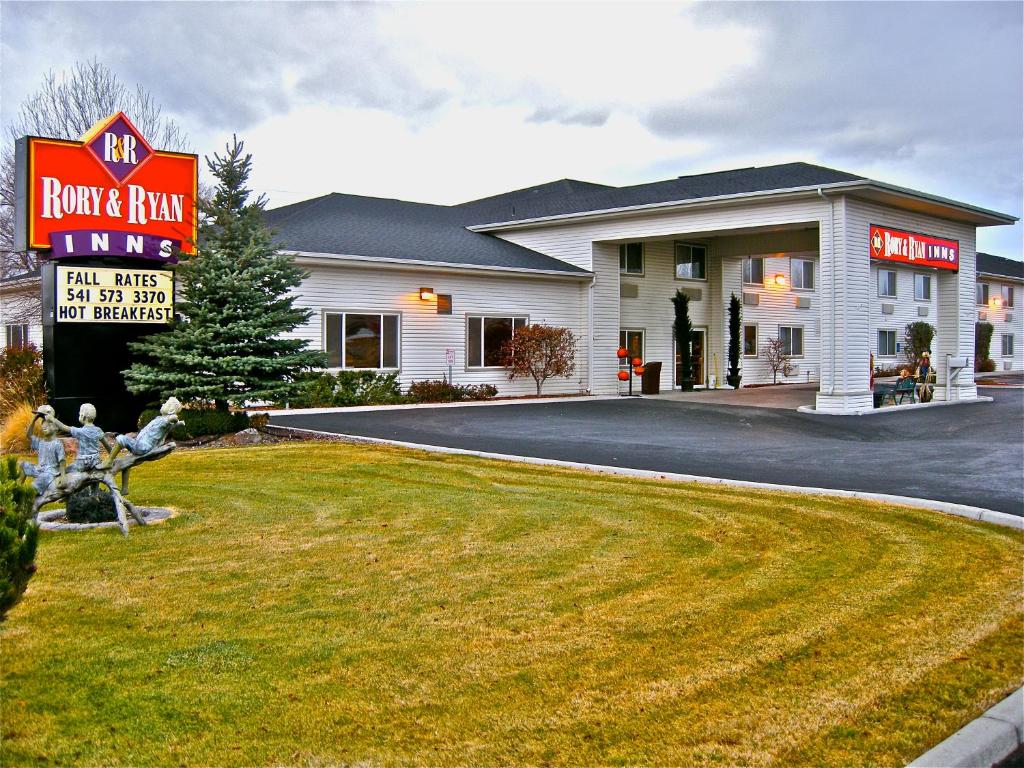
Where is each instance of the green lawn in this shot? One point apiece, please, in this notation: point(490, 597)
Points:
point(317, 604)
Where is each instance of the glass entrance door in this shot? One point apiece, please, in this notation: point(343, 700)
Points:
point(699, 370)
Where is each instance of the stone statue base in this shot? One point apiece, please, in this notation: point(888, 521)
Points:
point(56, 519)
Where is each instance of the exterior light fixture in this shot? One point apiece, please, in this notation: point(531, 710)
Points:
point(996, 302)
point(426, 294)
point(780, 279)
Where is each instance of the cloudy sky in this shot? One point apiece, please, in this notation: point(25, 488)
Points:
point(450, 102)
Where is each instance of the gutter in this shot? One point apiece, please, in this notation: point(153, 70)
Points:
point(436, 266)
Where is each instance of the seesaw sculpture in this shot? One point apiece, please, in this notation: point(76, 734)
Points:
point(54, 481)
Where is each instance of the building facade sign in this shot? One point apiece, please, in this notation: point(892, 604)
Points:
point(113, 295)
point(888, 244)
point(109, 193)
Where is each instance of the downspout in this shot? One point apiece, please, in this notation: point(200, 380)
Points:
point(832, 248)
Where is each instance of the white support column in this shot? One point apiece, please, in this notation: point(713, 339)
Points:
point(954, 326)
point(716, 350)
point(845, 326)
point(605, 331)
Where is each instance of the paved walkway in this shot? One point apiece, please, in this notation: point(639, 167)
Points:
point(966, 454)
point(786, 396)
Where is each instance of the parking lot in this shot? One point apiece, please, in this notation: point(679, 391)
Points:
point(967, 454)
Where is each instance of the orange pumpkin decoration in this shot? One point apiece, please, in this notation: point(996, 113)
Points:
point(638, 370)
point(623, 375)
point(622, 352)
point(637, 362)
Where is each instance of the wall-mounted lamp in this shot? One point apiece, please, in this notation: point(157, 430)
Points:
point(780, 279)
point(996, 302)
point(426, 294)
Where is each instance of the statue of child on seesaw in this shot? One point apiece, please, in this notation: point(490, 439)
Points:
point(151, 436)
point(89, 438)
point(49, 451)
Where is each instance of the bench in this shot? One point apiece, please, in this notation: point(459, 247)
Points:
point(900, 391)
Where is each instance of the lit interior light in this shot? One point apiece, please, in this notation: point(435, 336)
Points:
point(426, 294)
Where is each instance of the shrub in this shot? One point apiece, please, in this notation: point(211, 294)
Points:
point(987, 366)
point(440, 391)
point(91, 505)
point(200, 422)
point(21, 379)
point(15, 427)
point(982, 346)
point(19, 535)
point(324, 390)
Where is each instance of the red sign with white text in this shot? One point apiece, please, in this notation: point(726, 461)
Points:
point(109, 193)
point(912, 248)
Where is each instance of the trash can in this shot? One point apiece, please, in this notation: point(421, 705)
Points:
point(650, 381)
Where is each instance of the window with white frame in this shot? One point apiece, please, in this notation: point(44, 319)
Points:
point(1007, 293)
point(631, 340)
point(361, 340)
point(1007, 345)
point(887, 283)
point(753, 270)
point(485, 336)
point(887, 343)
point(792, 340)
point(981, 291)
point(631, 258)
point(691, 261)
point(17, 336)
point(750, 341)
point(922, 287)
point(803, 274)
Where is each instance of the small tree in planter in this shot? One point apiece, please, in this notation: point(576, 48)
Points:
point(684, 331)
point(777, 359)
point(540, 352)
point(735, 316)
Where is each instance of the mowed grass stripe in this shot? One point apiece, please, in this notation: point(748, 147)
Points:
point(317, 604)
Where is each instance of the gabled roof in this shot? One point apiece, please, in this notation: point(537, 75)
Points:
point(593, 197)
point(396, 230)
point(988, 264)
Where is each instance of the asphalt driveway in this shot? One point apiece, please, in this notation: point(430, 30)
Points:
point(966, 454)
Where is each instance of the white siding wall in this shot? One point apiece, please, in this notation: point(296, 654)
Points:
point(955, 310)
point(425, 335)
point(1005, 320)
point(14, 306)
point(905, 309)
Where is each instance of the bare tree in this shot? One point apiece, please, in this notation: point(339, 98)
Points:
point(777, 359)
point(540, 351)
point(66, 106)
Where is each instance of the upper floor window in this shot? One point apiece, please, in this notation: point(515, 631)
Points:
point(359, 340)
point(631, 258)
point(803, 274)
point(981, 290)
point(1007, 291)
point(922, 287)
point(887, 283)
point(753, 270)
point(691, 262)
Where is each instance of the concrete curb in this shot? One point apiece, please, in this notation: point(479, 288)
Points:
point(960, 510)
point(897, 408)
point(414, 406)
point(983, 742)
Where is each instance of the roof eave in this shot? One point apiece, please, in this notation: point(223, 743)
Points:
point(999, 277)
point(438, 266)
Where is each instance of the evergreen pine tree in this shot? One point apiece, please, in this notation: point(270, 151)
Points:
point(232, 345)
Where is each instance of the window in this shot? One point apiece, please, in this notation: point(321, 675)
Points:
point(922, 287)
point(634, 342)
point(691, 262)
point(631, 258)
point(803, 274)
point(887, 283)
point(1007, 345)
point(356, 340)
point(1007, 291)
point(792, 340)
point(17, 336)
point(486, 335)
point(887, 343)
point(982, 293)
point(750, 341)
point(753, 270)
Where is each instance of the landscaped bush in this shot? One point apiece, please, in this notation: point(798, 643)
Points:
point(881, 373)
point(15, 427)
point(324, 390)
point(21, 379)
point(440, 391)
point(987, 366)
point(19, 535)
point(91, 505)
point(201, 422)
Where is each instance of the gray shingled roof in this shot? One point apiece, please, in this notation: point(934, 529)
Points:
point(998, 265)
point(375, 227)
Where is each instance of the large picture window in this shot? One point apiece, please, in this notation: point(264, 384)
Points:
point(631, 258)
point(792, 340)
point(887, 343)
point(803, 274)
point(753, 270)
point(485, 337)
point(691, 262)
point(359, 340)
point(633, 341)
